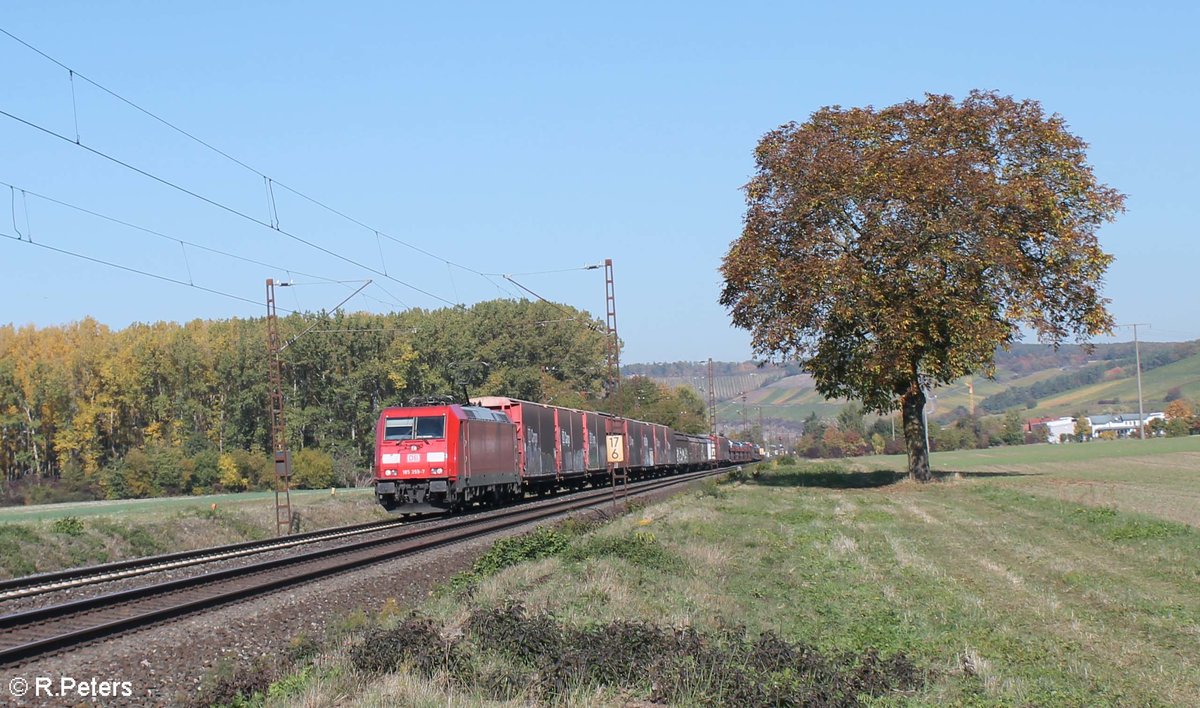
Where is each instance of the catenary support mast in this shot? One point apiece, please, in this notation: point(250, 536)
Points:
point(615, 428)
point(282, 460)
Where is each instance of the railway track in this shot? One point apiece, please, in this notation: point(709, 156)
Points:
point(89, 575)
point(30, 633)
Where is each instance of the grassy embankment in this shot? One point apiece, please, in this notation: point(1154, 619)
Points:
point(1005, 583)
point(35, 539)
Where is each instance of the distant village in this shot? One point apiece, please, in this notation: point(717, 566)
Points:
point(1100, 427)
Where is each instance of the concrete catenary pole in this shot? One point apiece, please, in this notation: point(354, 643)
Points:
point(1137, 358)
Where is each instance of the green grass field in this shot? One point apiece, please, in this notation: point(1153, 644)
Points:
point(1038, 575)
point(127, 507)
point(1159, 476)
point(46, 537)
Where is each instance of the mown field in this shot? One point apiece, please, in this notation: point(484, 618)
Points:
point(1025, 576)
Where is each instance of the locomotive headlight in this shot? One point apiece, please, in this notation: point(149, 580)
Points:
point(436, 470)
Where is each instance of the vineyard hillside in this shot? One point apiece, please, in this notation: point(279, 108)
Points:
point(1033, 379)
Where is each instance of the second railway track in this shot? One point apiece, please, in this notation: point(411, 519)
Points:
point(28, 585)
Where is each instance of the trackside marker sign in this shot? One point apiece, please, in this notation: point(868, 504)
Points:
point(616, 448)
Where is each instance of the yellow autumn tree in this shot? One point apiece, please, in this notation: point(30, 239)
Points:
point(231, 478)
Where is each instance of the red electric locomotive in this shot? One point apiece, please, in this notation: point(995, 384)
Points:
point(443, 457)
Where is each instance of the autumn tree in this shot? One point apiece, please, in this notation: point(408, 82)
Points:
point(1083, 428)
point(1179, 418)
point(891, 250)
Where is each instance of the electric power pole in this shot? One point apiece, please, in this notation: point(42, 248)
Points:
point(744, 410)
point(712, 399)
point(282, 459)
point(1137, 358)
point(614, 426)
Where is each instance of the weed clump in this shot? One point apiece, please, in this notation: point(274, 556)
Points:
point(1118, 527)
point(508, 653)
point(542, 542)
point(1136, 529)
point(641, 548)
point(68, 526)
point(1095, 514)
point(415, 641)
point(712, 488)
point(237, 684)
point(512, 633)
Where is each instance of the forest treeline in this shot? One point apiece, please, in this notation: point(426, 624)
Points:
point(166, 408)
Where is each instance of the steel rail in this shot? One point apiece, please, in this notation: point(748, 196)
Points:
point(39, 583)
point(30, 633)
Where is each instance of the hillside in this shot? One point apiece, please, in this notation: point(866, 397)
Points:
point(1035, 379)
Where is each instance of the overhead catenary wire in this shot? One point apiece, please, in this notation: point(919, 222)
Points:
point(270, 181)
point(549, 272)
point(224, 207)
point(312, 326)
point(13, 202)
point(131, 269)
point(590, 325)
point(182, 242)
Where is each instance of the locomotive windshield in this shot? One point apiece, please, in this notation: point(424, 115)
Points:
point(425, 426)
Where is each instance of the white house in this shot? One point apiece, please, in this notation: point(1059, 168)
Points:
point(1056, 428)
point(1123, 424)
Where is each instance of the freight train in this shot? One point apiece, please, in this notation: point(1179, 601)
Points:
point(446, 457)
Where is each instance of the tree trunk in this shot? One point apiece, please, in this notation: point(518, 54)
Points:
point(912, 403)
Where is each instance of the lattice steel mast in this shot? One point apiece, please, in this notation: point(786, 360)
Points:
point(614, 425)
point(283, 460)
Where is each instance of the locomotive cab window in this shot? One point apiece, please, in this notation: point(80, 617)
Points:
point(431, 426)
point(426, 426)
point(398, 429)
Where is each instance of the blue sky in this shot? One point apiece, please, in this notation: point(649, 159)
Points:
point(527, 137)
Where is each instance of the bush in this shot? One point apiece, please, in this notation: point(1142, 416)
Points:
point(312, 469)
point(415, 641)
point(684, 665)
point(68, 526)
point(542, 542)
